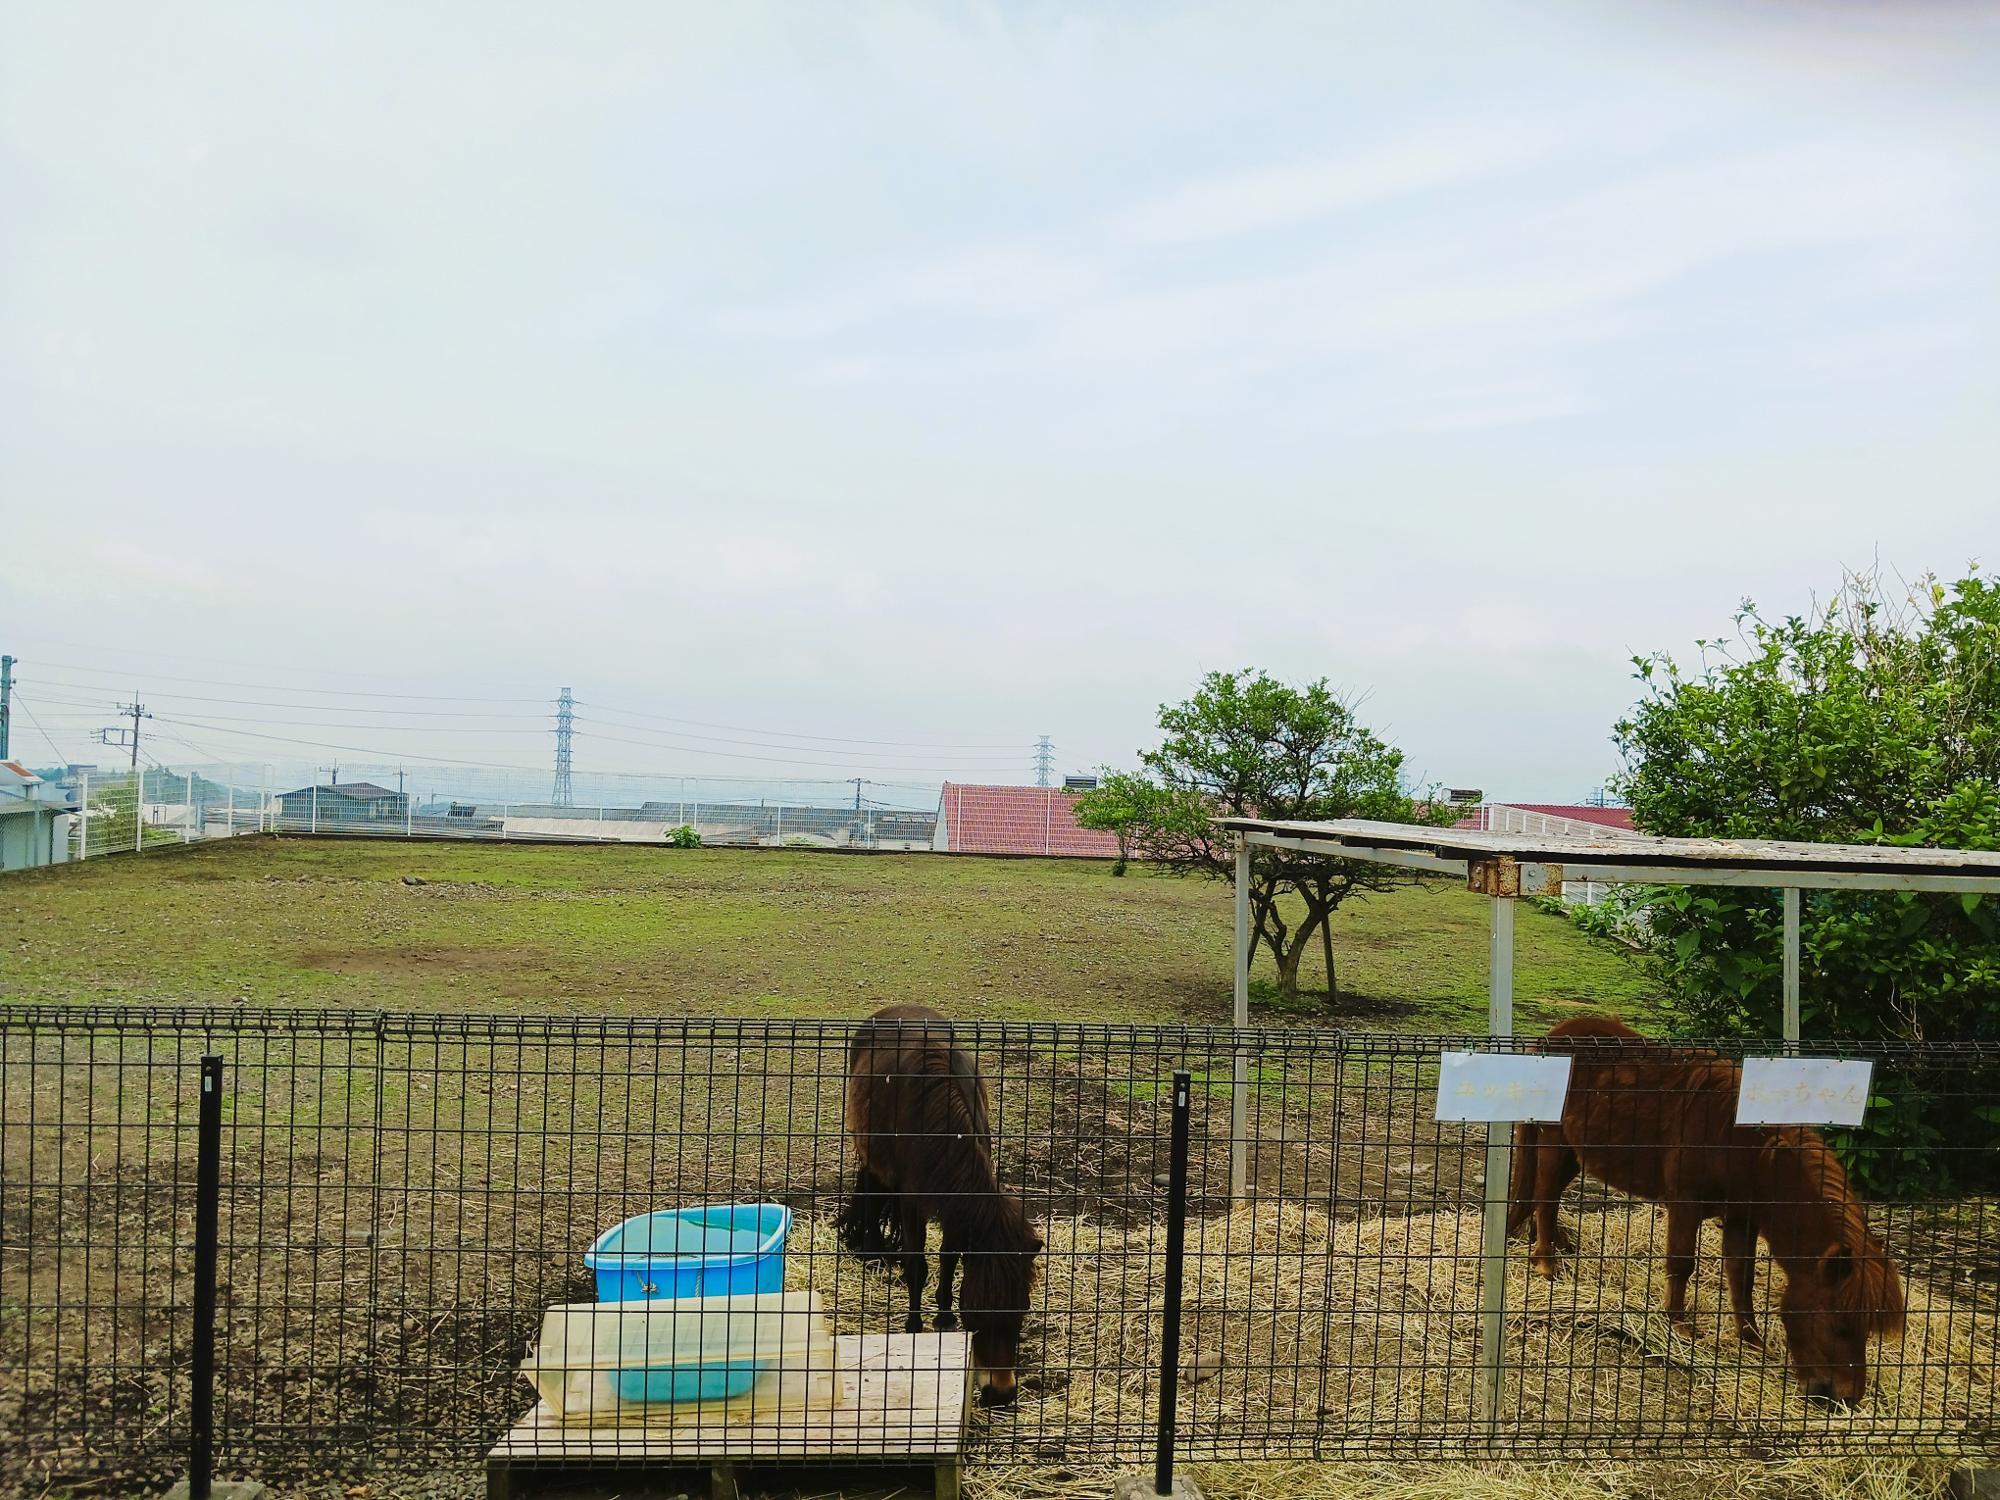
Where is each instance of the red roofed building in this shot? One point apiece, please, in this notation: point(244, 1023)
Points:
point(1015, 820)
point(1562, 820)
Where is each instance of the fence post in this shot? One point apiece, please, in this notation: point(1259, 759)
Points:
point(1499, 1158)
point(1791, 969)
point(229, 817)
point(83, 833)
point(1239, 1093)
point(207, 1236)
point(138, 811)
point(1170, 1320)
point(315, 804)
point(187, 823)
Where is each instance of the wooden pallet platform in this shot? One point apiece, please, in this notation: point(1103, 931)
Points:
point(902, 1402)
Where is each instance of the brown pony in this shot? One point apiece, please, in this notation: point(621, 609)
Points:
point(1659, 1121)
point(922, 1129)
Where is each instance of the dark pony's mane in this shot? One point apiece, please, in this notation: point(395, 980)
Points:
point(1802, 1170)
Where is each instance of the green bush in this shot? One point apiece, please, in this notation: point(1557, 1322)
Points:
point(1875, 720)
point(683, 837)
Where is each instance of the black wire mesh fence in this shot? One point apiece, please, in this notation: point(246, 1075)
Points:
point(402, 1200)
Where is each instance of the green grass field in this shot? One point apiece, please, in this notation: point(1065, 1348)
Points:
point(722, 932)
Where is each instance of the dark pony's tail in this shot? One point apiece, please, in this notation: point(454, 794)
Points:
point(868, 1222)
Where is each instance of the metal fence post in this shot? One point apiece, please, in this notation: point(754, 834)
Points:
point(1791, 968)
point(1499, 1158)
point(83, 827)
point(207, 1238)
point(138, 811)
point(1239, 1093)
point(1170, 1320)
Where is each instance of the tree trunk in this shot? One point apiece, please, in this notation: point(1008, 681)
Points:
point(1332, 980)
point(1288, 968)
point(1288, 964)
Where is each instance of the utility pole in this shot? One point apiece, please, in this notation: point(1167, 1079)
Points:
point(6, 700)
point(1045, 755)
point(135, 711)
point(857, 794)
point(565, 729)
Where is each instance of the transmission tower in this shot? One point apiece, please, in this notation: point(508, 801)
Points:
point(565, 728)
point(1045, 759)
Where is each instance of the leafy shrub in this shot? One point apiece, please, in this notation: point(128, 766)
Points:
point(683, 837)
point(1877, 720)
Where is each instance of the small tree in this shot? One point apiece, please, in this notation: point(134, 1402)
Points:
point(1117, 804)
point(1248, 745)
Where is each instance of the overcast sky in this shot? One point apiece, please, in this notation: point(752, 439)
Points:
point(956, 374)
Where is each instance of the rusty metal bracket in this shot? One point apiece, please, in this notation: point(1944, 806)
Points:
point(1499, 875)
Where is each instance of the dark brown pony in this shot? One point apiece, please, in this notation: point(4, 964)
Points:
point(922, 1129)
point(1659, 1121)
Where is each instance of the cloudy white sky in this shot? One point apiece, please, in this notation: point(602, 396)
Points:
point(951, 375)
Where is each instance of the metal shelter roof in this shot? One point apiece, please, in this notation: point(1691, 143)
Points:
point(1522, 863)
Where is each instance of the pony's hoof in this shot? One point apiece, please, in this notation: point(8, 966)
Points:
point(990, 1396)
point(945, 1321)
point(914, 1323)
point(1750, 1338)
point(1546, 1268)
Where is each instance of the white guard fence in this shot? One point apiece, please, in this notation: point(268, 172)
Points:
point(120, 811)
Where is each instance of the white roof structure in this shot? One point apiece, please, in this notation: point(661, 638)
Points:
point(1507, 866)
point(1545, 860)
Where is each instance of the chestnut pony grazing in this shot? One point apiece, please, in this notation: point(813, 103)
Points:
point(921, 1124)
point(1659, 1121)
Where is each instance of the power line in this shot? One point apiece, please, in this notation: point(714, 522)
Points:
point(857, 757)
point(766, 759)
point(633, 713)
point(387, 755)
point(291, 687)
point(47, 738)
point(315, 709)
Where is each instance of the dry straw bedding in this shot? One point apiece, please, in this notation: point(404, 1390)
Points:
point(1362, 1333)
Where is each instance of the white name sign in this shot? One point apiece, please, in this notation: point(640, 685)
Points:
point(1803, 1091)
point(1501, 1086)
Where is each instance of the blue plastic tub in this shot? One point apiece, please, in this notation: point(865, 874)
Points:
point(691, 1252)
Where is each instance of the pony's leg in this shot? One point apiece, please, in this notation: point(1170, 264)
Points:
point(1739, 1270)
point(1555, 1168)
point(947, 1272)
point(1683, 1235)
point(916, 1266)
point(1521, 1177)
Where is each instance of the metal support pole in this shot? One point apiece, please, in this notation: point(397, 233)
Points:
point(83, 828)
point(207, 1241)
point(1239, 1093)
point(187, 823)
point(1499, 1152)
point(138, 810)
point(315, 808)
point(229, 815)
point(1170, 1318)
point(1791, 967)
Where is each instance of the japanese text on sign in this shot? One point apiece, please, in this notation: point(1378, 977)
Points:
point(1803, 1091)
point(1501, 1086)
